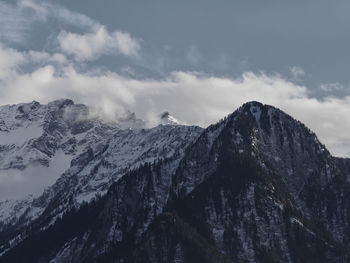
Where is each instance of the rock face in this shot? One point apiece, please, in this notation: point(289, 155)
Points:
point(256, 187)
point(98, 154)
point(167, 119)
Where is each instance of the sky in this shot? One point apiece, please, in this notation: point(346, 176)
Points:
point(199, 60)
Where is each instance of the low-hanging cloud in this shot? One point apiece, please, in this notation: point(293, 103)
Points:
point(194, 98)
point(17, 184)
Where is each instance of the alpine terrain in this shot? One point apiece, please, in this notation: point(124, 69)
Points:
point(258, 186)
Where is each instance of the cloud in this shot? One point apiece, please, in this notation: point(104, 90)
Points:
point(91, 46)
point(331, 87)
point(68, 17)
point(13, 23)
point(45, 10)
point(12, 60)
point(297, 72)
point(19, 18)
point(194, 98)
point(17, 184)
point(39, 9)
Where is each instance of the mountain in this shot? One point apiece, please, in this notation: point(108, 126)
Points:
point(167, 119)
point(95, 155)
point(256, 187)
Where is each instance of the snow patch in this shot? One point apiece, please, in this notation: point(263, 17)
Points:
point(17, 184)
point(20, 135)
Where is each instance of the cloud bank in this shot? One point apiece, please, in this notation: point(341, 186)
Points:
point(193, 97)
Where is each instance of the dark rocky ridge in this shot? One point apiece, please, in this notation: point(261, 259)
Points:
point(256, 187)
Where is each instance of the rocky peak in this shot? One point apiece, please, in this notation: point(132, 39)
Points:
point(256, 187)
point(130, 121)
point(167, 119)
point(274, 139)
point(25, 108)
point(60, 103)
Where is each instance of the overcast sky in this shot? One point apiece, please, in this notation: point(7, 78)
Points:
point(199, 60)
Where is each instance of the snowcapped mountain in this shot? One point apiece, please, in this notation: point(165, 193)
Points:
point(38, 142)
point(167, 119)
point(85, 154)
point(256, 187)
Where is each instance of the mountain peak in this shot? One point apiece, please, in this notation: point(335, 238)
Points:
point(130, 120)
point(256, 187)
point(60, 103)
point(253, 104)
point(254, 107)
point(264, 114)
point(167, 119)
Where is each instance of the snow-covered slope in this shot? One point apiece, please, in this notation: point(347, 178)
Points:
point(256, 187)
point(38, 142)
point(43, 143)
point(167, 119)
point(93, 172)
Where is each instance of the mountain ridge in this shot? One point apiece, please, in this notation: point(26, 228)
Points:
point(256, 187)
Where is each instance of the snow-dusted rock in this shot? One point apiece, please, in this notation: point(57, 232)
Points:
point(256, 187)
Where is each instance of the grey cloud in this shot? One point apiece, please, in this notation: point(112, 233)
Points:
point(60, 70)
point(14, 23)
point(46, 10)
point(18, 19)
point(204, 99)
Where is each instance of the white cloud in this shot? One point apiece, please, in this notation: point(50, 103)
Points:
point(17, 20)
point(191, 97)
point(12, 60)
point(91, 46)
point(125, 43)
point(9, 59)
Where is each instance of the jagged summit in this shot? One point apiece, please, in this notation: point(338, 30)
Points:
point(253, 103)
point(256, 187)
point(130, 120)
point(167, 119)
point(60, 103)
point(61, 141)
point(266, 116)
point(255, 107)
